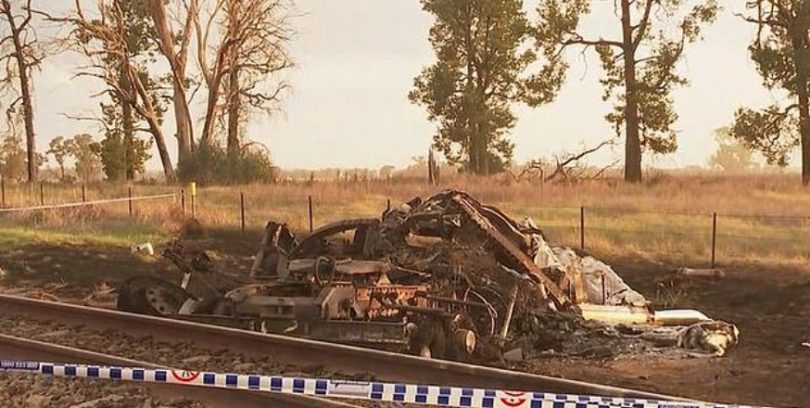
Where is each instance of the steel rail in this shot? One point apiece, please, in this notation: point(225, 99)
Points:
point(383, 365)
point(12, 347)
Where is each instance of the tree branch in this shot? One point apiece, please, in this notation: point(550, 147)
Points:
point(561, 166)
point(643, 25)
point(581, 41)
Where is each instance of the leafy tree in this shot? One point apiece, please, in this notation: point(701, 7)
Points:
point(123, 153)
point(12, 158)
point(386, 172)
point(88, 163)
point(781, 52)
point(139, 32)
point(59, 149)
point(122, 158)
point(640, 67)
point(480, 71)
point(120, 120)
point(732, 155)
point(117, 43)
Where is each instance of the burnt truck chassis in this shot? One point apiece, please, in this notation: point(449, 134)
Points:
point(408, 281)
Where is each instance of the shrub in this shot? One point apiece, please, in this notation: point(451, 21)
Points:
point(213, 165)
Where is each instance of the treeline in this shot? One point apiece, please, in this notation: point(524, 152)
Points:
point(152, 57)
point(491, 55)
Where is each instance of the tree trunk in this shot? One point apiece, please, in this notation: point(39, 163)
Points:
point(25, 88)
point(474, 148)
point(483, 131)
point(62, 169)
point(128, 127)
point(234, 107)
point(28, 111)
point(804, 112)
point(160, 142)
point(148, 113)
point(482, 150)
point(632, 147)
point(177, 63)
point(473, 165)
point(223, 64)
point(129, 137)
point(211, 111)
point(431, 163)
point(800, 56)
point(182, 117)
point(212, 107)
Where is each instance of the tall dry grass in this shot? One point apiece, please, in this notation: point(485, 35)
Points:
point(761, 218)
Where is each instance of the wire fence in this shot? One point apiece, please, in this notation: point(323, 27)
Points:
point(45, 197)
point(691, 238)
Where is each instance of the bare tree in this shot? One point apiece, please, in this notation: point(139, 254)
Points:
point(102, 41)
point(178, 60)
point(26, 55)
point(214, 72)
point(250, 49)
point(263, 31)
point(568, 168)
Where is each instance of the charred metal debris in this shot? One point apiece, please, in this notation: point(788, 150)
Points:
point(445, 277)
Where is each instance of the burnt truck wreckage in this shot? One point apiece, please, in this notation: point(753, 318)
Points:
point(445, 277)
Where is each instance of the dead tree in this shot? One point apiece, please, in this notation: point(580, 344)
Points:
point(177, 59)
point(249, 51)
point(263, 33)
point(212, 73)
point(102, 41)
point(566, 162)
point(568, 167)
point(19, 44)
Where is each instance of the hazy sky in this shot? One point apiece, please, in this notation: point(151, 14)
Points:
point(356, 63)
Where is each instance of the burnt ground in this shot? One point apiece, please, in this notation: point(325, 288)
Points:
point(769, 367)
point(770, 306)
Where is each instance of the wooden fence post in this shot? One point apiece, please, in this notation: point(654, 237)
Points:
point(714, 238)
point(582, 228)
point(41, 193)
point(311, 226)
point(129, 195)
point(242, 209)
point(193, 199)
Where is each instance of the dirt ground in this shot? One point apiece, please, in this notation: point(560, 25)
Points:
point(769, 367)
point(770, 307)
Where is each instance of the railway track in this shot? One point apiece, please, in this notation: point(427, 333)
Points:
point(383, 366)
point(32, 350)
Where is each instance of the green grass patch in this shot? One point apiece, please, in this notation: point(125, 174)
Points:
point(102, 233)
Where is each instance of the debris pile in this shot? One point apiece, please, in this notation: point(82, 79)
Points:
point(445, 277)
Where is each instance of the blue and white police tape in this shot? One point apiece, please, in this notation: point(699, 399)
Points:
point(373, 391)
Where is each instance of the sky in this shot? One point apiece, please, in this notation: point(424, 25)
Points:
point(356, 60)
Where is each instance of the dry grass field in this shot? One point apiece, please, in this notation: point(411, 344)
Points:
point(762, 219)
point(643, 231)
